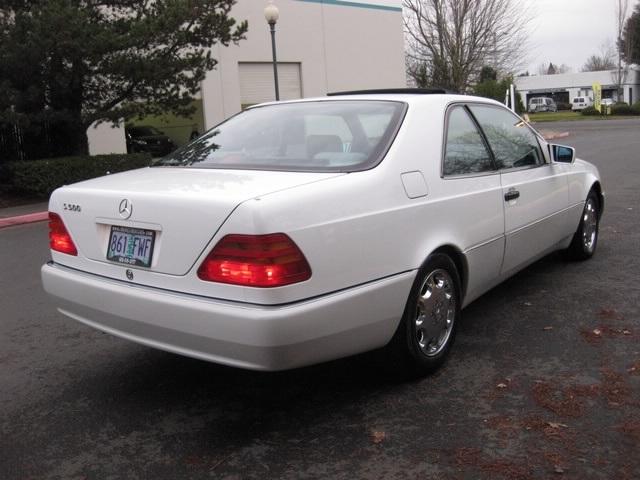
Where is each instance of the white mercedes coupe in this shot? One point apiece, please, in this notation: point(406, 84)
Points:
point(299, 232)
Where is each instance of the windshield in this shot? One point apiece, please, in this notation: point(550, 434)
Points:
point(306, 136)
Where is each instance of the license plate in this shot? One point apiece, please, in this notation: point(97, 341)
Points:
point(131, 246)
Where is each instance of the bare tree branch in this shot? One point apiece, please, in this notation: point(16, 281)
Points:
point(449, 41)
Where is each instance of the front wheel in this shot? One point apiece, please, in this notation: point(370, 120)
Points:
point(585, 240)
point(428, 326)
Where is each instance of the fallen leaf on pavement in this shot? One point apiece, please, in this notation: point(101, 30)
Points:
point(378, 437)
point(548, 327)
point(556, 425)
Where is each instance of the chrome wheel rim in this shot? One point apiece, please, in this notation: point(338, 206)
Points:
point(589, 225)
point(435, 313)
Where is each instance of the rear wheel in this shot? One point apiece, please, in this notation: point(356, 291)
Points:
point(585, 240)
point(428, 327)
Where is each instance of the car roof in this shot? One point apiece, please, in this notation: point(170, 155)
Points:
point(411, 98)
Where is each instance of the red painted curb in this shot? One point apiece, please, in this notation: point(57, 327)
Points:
point(553, 135)
point(22, 219)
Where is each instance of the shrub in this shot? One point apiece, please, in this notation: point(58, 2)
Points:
point(622, 108)
point(591, 111)
point(636, 107)
point(563, 106)
point(41, 177)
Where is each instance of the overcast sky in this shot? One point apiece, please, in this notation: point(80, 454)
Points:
point(568, 31)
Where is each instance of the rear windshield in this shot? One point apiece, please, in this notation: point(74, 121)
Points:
point(306, 136)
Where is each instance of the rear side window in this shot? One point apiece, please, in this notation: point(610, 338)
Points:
point(465, 151)
point(514, 145)
point(323, 136)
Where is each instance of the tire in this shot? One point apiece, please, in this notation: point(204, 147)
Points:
point(427, 330)
point(585, 240)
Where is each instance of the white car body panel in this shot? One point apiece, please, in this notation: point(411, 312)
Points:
point(539, 214)
point(365, 234)
point(231, 333)
point(160, 198)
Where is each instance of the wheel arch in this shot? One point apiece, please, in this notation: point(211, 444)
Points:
point(459, 261)
point(597, 187)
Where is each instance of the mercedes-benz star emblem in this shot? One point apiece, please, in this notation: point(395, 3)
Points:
point(125, 209)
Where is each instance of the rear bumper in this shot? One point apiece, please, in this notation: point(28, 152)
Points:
point(241, 335)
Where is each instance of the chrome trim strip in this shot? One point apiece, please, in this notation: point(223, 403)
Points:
point(482, 244)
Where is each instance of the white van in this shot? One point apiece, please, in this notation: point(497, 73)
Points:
point(579, 103)
point(542, 104)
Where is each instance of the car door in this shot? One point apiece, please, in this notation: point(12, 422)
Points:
point(535, 192)
point(471, 186)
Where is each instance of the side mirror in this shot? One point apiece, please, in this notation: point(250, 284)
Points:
point(563, 154)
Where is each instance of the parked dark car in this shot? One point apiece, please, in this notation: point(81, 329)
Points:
point(144, 138)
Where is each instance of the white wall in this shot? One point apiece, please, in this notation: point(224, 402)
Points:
point(339, 46)
point(105, 139)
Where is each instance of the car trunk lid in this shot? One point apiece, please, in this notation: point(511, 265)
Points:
point(183, 207)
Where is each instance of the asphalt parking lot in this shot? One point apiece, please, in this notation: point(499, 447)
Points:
point(544, 380)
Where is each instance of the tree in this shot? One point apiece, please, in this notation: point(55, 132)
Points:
point(551, 69)
point(630, 41)
point(596, 63)
point(450, 40)
point(487, 73)
point(74, 62)
point(491, 88)
point(604, 60)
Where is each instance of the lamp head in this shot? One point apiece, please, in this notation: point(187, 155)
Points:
point(271, 13)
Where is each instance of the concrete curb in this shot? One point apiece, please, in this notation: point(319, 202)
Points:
point(24, 219)
point(553, 135)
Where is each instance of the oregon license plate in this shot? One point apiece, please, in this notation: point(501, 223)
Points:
point(131, 246)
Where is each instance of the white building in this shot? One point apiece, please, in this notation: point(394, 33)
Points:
point(563, 87)
point(322, 46)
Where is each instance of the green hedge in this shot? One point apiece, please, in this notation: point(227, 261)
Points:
point(41, 177)
point(621, 108)
point(590, 111)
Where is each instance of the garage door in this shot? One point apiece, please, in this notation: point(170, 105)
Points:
point(256, 82)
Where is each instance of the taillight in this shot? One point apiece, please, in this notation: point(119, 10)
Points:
point(59, 238)
point(270, 260)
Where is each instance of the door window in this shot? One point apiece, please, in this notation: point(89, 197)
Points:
point(465, 151)
point(513, 143)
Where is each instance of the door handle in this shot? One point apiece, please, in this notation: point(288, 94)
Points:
point(511, 195)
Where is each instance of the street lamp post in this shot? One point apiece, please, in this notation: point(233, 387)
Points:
point(271, 15)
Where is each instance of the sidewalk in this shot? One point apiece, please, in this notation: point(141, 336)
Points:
point(35, 212)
